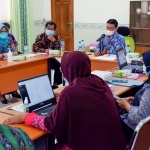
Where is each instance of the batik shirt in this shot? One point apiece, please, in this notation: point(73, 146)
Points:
point(112, 44)
point(13, 39)
point(42, 43)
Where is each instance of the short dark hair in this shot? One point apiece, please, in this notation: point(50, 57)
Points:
point(6, 24)
point(113, 21)
point(51, 23)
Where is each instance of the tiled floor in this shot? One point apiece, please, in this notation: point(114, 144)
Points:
point(11, 100)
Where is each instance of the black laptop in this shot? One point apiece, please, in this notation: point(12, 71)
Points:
point(40, 94)
point(122, 61)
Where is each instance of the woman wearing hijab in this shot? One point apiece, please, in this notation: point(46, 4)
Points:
point(5, 44)
point(49, 41)
point(138, 107)
point(85, 117)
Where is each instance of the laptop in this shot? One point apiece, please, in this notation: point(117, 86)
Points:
point(122, 61)
point(41, 99)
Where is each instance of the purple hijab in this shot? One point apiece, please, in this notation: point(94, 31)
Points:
point(86, 117)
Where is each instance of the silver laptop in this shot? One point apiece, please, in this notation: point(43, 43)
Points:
point(40, 94)
point(122, 61)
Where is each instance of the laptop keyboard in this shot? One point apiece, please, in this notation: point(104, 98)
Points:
point(45, 111)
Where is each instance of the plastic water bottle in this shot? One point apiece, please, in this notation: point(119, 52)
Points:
point(128, 49)
point(9, 56)
point(83, 44)
point(25, 49)
point(79, 46)
point(62, 44)
point(25, 105)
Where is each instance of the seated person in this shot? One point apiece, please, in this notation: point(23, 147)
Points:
point(112, 41)
point(5, 43)
point(11, 36)
point(49, 41)
point(14, 139)
point(138, 107)
point(86, 116)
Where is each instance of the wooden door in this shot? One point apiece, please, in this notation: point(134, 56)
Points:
point(63, 15)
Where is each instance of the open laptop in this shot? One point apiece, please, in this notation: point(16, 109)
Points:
point(40, 95)
point(122, 61)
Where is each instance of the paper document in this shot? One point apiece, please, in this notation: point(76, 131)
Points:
point(18, 108)
point(133, 76)
point(106, 57)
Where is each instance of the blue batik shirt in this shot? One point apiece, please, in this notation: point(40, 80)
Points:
point(6, 49)
point(112, 44)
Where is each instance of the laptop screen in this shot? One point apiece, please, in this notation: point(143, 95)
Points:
point(122, 61)
point(37, 89)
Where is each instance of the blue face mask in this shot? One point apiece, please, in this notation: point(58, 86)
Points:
point(144, 70)
point(49, 32)
point(3, 35)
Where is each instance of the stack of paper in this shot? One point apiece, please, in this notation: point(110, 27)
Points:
point(106, 57)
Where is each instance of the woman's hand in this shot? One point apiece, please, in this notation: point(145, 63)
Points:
point(15, 53)
point(129, 99)
point(123, 103)
point(15, 119)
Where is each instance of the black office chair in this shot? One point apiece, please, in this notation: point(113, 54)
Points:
point(123, 30)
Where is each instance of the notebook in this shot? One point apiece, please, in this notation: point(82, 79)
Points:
point(122, 61)
point(40, 94)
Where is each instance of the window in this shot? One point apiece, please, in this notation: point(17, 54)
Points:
point(4, 11)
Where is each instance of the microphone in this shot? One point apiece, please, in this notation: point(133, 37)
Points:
point(102, 36)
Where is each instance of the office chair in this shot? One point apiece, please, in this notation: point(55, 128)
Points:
point(125, 31)
point(141, 137)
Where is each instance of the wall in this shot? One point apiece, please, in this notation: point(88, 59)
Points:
point(42, 13)
point(89, 17)
point(90, 24)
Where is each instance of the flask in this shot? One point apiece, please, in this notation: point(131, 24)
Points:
point(25, 105)
point(79, 46)
point(128, 49)
point(83, 44)
point(9, 56)
point(25, 48)
point(62, 46)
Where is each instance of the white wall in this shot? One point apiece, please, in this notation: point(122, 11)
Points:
point(90, 17)
point(42, 13)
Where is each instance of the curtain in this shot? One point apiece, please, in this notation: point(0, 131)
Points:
point(15, 27)
point(30, 24)
point(4, 11)
point(22, 24)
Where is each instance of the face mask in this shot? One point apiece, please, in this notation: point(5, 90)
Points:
point(66, 82)
point(3, 35)
point(49, 32)
point(144, 70)
point(109, 33)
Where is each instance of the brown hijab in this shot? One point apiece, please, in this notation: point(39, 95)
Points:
point(85, 117)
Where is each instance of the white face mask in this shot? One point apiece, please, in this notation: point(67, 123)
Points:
point(66, 81)
point(109, 33)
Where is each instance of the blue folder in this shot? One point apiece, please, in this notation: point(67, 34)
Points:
point(129, 83)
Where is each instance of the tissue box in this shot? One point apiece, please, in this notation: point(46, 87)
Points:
point(54, 52)
point(133, 55)
point(126, 72)
point(19, 57)
point(118, 74)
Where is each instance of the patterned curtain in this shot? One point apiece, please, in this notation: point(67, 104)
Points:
point(23, 22)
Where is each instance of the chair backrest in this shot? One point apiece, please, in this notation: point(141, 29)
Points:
point(129, 41)
point(141, 136)
point(123, 30)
